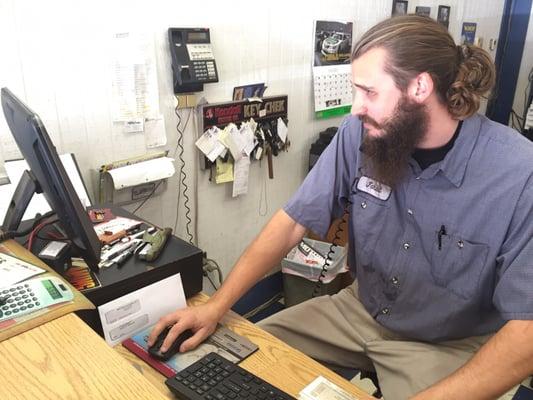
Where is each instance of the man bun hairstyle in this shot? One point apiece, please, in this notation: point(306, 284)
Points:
point(416, 44)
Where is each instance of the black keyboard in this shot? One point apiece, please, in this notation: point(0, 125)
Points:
point(213, 377)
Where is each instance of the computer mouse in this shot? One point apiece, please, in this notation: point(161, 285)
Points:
point(174, 347)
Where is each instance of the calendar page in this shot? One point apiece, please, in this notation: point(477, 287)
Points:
point(331, 68)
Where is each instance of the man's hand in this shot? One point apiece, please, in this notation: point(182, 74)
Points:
point(501, 363)
point(202, 320)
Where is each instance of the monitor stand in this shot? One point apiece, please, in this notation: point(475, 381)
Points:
point(25, 190)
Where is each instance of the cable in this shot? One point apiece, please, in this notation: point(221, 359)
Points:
point(217, 268)
point(148, 197)
point(37, 229)
point(211, 265)
point(13, 234)
point(210, 280)
point(265, 305)
point(183, 175)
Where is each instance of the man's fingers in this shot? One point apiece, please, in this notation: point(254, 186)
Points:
point(172, 335)
point(195, 340)
point(162, 324)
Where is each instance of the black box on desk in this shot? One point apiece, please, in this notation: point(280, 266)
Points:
point(178, 256)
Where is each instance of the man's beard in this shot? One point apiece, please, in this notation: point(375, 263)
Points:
point(388, 154)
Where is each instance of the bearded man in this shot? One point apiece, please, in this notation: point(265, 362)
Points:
point(440, 229)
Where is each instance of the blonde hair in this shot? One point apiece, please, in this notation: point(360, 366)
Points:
point(415, 44)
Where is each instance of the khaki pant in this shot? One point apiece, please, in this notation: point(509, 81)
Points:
point(338, 331)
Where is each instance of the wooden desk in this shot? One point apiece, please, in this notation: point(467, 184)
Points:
point(65, 359)
point(275, 361)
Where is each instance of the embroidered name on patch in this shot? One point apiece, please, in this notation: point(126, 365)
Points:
point(374, 188)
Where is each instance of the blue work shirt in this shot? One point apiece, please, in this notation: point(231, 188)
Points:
point(446, 254)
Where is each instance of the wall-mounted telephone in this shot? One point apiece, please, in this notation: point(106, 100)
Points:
point(193, 63)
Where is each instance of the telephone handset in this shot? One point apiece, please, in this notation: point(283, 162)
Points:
point(193, 62)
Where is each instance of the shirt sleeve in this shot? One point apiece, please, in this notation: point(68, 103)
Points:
point(324, 192)
point(513, 295)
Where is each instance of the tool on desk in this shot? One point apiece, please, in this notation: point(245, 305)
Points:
point(154, 244)
point(119, 252)
point(32, 295)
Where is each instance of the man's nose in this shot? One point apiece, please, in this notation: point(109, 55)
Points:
point(358, 106)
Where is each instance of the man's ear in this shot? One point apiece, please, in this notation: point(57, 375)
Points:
point(420, 87)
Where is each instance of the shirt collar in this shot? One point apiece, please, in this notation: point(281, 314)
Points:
point(454, 164)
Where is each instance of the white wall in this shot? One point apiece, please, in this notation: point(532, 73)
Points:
point(56, 56)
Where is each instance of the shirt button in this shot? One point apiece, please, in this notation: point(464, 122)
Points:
point(406, 246)
point(363, 205)
point(460, 244)
point(394, 280)
point(385, 311)
point(417, 178)
point(409, 211)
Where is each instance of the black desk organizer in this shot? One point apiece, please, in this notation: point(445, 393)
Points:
point(178, 256)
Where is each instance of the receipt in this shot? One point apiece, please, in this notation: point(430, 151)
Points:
point(322, 389)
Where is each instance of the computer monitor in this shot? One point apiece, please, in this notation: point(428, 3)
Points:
point(46, 175)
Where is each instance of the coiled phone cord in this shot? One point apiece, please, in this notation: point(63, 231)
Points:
point(334, 243)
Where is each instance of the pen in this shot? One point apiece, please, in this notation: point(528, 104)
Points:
point(442, 232)
point(121, 259)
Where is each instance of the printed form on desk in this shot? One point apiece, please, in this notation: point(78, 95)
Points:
point(322, 389)
point(14, 270)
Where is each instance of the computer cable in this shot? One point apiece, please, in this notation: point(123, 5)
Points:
point(148, 197)
point(13, 234)
point(37, 229)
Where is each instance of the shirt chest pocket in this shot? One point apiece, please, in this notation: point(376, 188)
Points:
point(457, 264)
point(368, 220)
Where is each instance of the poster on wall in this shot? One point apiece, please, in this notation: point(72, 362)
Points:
point(331, 68)
point(421, 10)
point(443, 16)
point(399, 7)
point(468, 33)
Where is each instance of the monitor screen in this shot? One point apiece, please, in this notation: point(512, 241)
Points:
point(49, 176)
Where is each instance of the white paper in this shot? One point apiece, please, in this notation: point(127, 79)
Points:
point(134, 125)
point(135, 91)
point(155, 133)
point(247, 135)
point(209, 144)
point(14, 270)
point(230, 137)
point(240, 176)
point(115, 225)
point(322, 389)
point(4, 179)
point(142, 172)
point(131, 313)
point(8, 146)
point(38, 203)
point(282, 130)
